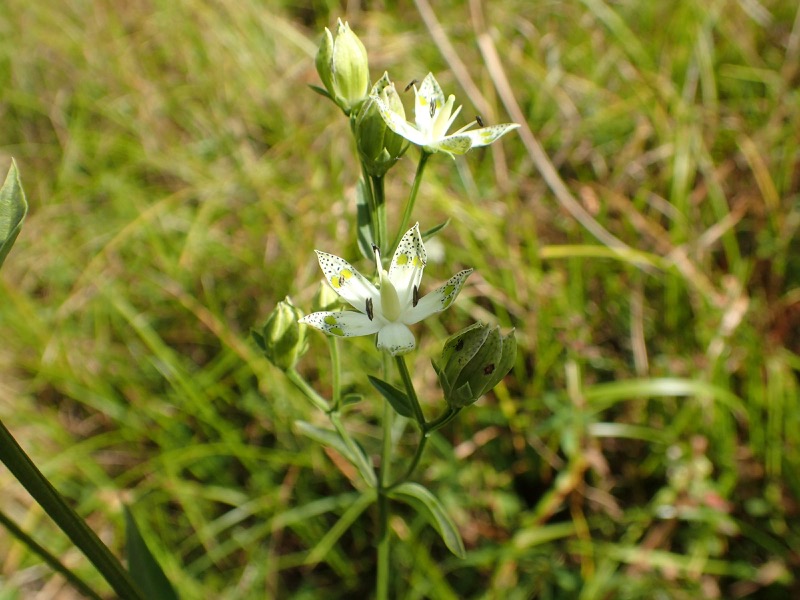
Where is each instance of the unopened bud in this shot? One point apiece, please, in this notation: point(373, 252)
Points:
point(474, 361)
point(283, 339)
point(343, 67)
point(378, 146)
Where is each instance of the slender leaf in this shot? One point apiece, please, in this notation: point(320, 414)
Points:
point(429, 233)
point(142, 564)
point(396, 397)
point(428, 505)
point(326, 437)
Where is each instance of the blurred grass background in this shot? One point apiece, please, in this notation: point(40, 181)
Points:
point(180, 173)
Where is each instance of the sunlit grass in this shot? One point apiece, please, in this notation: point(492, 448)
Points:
point(180, 173)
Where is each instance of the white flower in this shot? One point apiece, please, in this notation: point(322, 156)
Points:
point(389, 309)
point(433, 117)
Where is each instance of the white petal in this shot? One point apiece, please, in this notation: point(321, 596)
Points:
point(396, 339)
point(397, 123)
point(452, 117)
point(408, 262)
point(345, 323)
point(487, 135)
point(437, 300)
point(429, 94)
point(346, 281)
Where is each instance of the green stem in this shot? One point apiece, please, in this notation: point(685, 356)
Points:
point(364, 467)
point(410, 392)
point(379, 194)
point(51, 560)
point(336, 371)
point(372, 205)
point(309, 391)
point(382, 591)
point(412, 197)
point(441, 421)
point(54, 504)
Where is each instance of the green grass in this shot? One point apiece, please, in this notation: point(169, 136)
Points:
point(180, 172)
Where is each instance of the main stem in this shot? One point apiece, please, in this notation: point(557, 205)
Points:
point(384, 537)
point(379, 194)
point(412, 197)
point(54, 504)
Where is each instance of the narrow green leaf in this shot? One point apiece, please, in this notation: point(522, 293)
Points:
point(428, 234)
point(397, 398)
point(326, 437)
point(320, 91)
point(328, 541)
point(143, 566)
point(351, 451)
point(428, 505)
point(13, 208)
point(351, 398)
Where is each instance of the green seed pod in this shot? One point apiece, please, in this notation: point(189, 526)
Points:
point(283, 339)
point(378, 146)
point(474, 361)
point(343, 67)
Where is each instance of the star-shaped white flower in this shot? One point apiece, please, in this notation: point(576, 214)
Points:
point(433, 116)
point(391, 307)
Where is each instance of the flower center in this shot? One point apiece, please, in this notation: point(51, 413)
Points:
point(390, 301)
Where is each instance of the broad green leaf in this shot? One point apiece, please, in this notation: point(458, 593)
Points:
point(144, 568)
point(13, 208)
point(397, 398)
point(428, 505)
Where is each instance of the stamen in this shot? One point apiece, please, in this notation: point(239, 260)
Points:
point(414, 296)
point(370, 309)
point(410, 83)
point(433, 108)
point(377, 252)
point(478, 120)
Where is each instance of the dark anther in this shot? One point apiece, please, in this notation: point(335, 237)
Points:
point(370, 311)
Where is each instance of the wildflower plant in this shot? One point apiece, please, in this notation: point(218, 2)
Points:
point(388, 304)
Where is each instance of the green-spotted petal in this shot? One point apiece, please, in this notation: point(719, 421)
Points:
point(487, 135)
point(454, 144)
point(346, 323)
point(346, 281)
point(408, 262)
point(438, 300)
point(396, 339)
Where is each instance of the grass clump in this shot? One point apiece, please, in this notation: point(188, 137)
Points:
point(640, 233)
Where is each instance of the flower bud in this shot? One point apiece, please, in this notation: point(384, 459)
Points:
point(283, 339)
point(378, 146)
point(474, 360)
point(343, 68)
